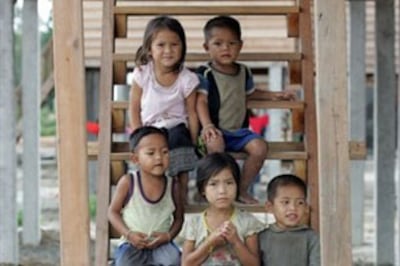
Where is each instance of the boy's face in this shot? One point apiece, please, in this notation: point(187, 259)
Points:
point(288, 207)
point(223, 47)
point(151, 155)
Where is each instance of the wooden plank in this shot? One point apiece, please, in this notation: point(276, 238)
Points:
point(331, 84)
point(255, 103)
point(357, 150)
point(292, 25)
point(203, 57)
point(385, 110)
point(8, 156)
point(121, 26)
point(31, 122)
point(103, 181)
point(206, 10)
point(196, 208)
point(357, 103)
point(71, 133)
point(311, 138)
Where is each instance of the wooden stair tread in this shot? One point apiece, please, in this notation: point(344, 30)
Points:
point(277, 150)
point(199, 207)
point(203, 57)
point(205, 10)
point(257, 104)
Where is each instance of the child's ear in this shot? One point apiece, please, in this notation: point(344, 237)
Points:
point(268, 206)
point(205, 46)
point(134, 158)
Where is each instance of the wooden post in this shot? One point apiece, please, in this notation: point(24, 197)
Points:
point(31, 120)
point(385, 98)
point(332, 120)
point(8, 156)
point(357, 103)
point(71, 132)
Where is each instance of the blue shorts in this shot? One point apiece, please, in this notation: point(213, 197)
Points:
point(236, 140)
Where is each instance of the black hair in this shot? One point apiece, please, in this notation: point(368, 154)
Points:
point(284, 180)
point(152, 28)
point(222, 22)
point(141, 132)
point(211, 165)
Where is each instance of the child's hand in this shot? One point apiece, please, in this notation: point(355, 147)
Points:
point(209, 133)
point(157, 238)
point(139, 240)
point(216, 239)
point(229, 232)
point(286, 95)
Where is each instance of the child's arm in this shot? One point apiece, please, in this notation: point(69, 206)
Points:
point(161, 238)
point(190, 103)
point(209, 130)
point(134, 106)
point(115, 217)
point(272, 96)
point(246, 251)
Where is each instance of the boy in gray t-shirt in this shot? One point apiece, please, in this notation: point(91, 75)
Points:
point(288, 241)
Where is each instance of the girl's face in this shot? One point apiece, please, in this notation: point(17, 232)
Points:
point(223, 47)
point(151, 155)
point(220, 190)
point(166, 49)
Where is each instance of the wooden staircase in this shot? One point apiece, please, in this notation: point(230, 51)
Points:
point(111, 155)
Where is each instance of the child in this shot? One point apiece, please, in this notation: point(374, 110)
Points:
point(163, 93)
point(222, 234)
point(145, 209)
point(221, 104)
point(286, 200)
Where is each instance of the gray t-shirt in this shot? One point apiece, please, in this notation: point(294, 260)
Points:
point(297, 246)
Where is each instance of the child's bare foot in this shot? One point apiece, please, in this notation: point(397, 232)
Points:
point(247, 199)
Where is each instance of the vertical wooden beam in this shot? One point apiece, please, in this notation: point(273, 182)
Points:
point(385, 132)
point(357, 103)
point(31, 121)
point(104, 169)
point(8, 157)
point(311, 138)
point(71, 132)
point(332, 120)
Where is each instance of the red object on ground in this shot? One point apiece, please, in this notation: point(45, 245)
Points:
point(92, 127)
point(258, 123)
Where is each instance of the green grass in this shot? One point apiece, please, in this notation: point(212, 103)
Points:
point(47, 121)
point(92, 206)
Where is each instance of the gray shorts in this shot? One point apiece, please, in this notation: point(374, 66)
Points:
point(165, 255)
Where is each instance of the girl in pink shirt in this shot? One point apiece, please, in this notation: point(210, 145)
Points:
point(163, 93)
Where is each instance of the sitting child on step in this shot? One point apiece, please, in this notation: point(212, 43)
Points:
point(288, 241)
point(146, 208)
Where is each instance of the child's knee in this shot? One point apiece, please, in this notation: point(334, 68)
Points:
point(258, 148)
point(215, 145)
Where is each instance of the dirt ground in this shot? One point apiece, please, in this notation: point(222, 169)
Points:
point(48, 254)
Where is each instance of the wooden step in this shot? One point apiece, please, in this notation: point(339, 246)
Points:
point(276, 151)
point(199, 207)
point(257, 104)
point(203, 57)
point(205, 10)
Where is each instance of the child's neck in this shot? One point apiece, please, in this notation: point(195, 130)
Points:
point(230, 69)
point(165, 77)
point(220, 213)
